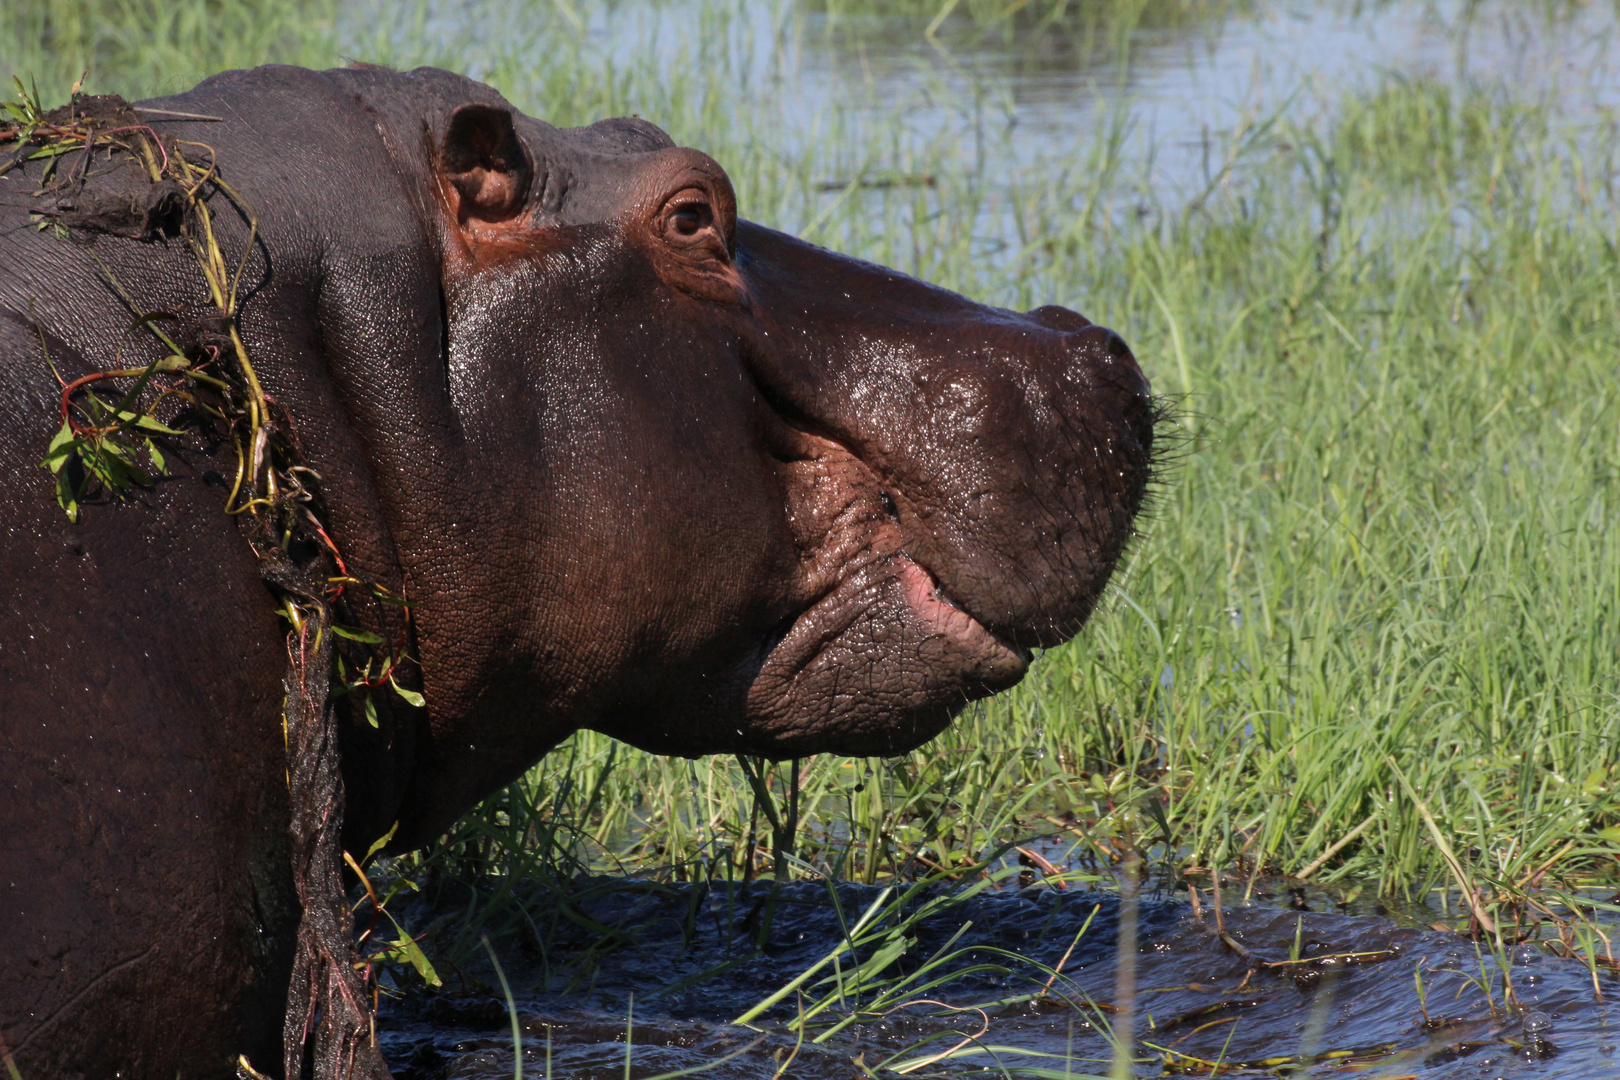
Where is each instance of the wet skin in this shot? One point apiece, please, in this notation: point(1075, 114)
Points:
point(640, 467)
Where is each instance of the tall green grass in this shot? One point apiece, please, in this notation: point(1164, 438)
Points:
point(142, 48)
point(1376, 604)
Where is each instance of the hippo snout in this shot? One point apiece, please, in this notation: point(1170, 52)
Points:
point(1112, 383)
point(1028, 473)
point(974, 481)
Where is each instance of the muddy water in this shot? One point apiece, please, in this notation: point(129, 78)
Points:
point(1353, 1002)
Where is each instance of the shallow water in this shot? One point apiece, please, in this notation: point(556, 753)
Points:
point(1184, 85)
point(1026, 92)
point(1353, 1002)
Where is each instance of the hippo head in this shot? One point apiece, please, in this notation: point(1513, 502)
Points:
point(742, 494)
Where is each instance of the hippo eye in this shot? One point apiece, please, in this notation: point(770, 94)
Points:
point(690, 231)
point(687, 219)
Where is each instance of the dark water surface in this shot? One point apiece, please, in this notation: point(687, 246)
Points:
point(1354, 1003)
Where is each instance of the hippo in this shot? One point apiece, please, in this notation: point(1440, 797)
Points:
point(596, 452)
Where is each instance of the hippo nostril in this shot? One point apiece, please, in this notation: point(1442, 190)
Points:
point(1109, 363)
point(1140, 417)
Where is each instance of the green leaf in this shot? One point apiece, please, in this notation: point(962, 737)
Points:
point(371, 712)
point(404, 949)
point(110, 463)
point(112, 449)
point(419, 961)
point(1611, 834)
point(410, 696)
point(354, 633)
point(62, 447)
point(157, 458)
point(66, 497)
point(381, 843)
point(145, 422)
point(93, 407)
point(58, 457)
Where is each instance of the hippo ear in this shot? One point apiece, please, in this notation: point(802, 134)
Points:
point(483, 159)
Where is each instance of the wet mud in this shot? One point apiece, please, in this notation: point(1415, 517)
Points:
point(1299, 993)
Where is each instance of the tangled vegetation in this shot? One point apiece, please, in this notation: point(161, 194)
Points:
point(149, 186)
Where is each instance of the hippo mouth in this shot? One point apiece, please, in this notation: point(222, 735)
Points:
point(877, 666)
point(938, 609)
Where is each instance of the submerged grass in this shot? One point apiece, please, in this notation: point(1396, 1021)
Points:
point(1371, 634)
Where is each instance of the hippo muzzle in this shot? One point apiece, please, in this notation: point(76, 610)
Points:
point(966, 480)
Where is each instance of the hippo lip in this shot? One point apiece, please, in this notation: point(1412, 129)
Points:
point(986, 658)
point(875, 666)
point(941, 611)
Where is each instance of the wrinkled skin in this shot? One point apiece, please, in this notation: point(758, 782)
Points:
point(640, 467)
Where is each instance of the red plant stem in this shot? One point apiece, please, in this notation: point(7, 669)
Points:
point(327, 540)
point(69, 389)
